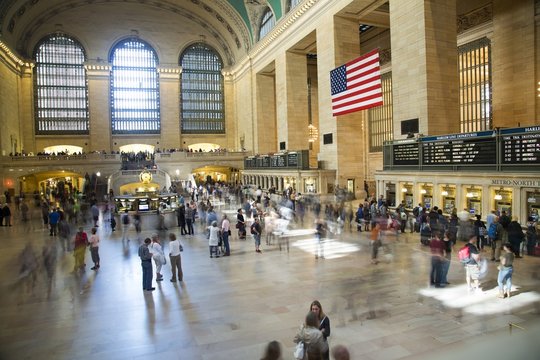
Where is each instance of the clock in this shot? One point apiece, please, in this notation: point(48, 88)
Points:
point(145, 177)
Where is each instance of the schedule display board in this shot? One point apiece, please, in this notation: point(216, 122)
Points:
point(520, 146)
point(478, 148)
point(284, 160)
point(405, 152)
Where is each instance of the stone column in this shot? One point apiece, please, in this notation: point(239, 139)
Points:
point(425, 79)
point(26, 111)
point(515, 82)
point(292, 100)
point(100, 112)
point(266, 140)
point(346, 152)
point(169, 88)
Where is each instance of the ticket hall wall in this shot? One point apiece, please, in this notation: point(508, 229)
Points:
point(518, 194)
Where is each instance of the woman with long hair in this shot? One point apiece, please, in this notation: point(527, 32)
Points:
point(312, 338)
point(324, 324)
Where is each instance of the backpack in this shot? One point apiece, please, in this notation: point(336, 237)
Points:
point(464, 254)
point(492, 231)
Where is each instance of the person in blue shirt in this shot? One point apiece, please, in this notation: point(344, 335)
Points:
point(54, 218)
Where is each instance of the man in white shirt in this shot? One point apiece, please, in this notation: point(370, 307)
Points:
point(176, 260)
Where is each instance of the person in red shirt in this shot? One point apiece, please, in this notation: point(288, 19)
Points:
point(438, 249)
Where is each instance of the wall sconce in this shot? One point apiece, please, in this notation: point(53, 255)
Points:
point(423, 191)
point(469, 194)
point(404, 189)
point(444, 193)
point(498, 197)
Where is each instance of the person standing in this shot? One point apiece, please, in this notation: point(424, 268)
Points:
point(93, 242)
point(81, 242)
point(213, 239)
point(495, 233)
point(504, 279)
point(437, 248)
point(311, 336)
point(176, 259)
point(190, 215)
point(240, 224)
point(158, 256)
point(64, 232)
point(181, 218)
point(256, 231)
point(324, 324)
point(447, 260)
point(472, 267)
point(225, 232)
point(515, 236)
point(146, 264)
point(54, 217)
point(6, 213)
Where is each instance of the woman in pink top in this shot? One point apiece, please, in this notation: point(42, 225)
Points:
point(94, 248)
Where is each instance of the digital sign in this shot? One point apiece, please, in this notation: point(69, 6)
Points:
point(477, 148)
point(520, 145)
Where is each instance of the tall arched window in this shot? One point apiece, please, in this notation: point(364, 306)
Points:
point(267, 23)
point(60, 85)
point(201, 91)
point(134, 88)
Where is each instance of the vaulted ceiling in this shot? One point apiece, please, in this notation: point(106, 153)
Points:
point(227, 24)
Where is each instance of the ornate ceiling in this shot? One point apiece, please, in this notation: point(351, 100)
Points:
point(227, 24)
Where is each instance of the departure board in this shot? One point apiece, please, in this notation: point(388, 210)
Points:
point(520, 145)
point(405, 153)
point(477, 148)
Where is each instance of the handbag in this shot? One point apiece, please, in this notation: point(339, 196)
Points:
point(299, 351)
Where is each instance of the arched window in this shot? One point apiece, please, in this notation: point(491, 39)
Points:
point(267, 23)
point(61, 91)
point(201, 91)
point(134, 88)
point(292, 4)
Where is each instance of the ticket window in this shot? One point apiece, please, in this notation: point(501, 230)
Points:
point(448, 196)
point(503, 201)
point(533, 206)
point(407, 195)
point(473, 200)
point(390, 195)
point(426, 196)
point(309, 186)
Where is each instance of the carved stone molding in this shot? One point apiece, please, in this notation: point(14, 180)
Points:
point(474, 18)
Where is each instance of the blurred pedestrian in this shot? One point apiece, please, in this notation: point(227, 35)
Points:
point(93, 242)
point(81, 242)
point(506, 269)
point(340, 352)
point(272, 351)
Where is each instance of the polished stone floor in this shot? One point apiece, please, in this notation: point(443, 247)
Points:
point(230, 308)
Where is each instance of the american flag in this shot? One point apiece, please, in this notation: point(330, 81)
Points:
point(356, 85)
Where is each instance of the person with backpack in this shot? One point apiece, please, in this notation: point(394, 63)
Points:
point(256, 232)
point(469, 256)
point(495, 233)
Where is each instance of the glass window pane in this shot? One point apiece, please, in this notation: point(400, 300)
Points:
point(380, 118)
point(201, 91)
point(267, 23)
point(134, 89)
point(60, 85)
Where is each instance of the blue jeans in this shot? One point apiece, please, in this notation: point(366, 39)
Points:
point(445, 267)
point(436, 270)
point(505, 277)
point(225, 237)
point(146, 274)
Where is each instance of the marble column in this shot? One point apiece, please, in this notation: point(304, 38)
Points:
point(425, 80)
point(100, 112)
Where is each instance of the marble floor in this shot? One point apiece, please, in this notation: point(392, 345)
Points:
point(230, 308)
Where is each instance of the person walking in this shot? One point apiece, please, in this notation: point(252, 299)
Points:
point(240, 224)
point(376, 242)
point(504, 279)
point(472, 267)
point(225, 233)
point(146, 264)
point(125, 224)
point(6, 213)
point(93, 242)
point(158, 256)
point(81, 242)
point(95, 214)
point(176, 259)
point(320, 234)
point(54, 217)
point(324, 324)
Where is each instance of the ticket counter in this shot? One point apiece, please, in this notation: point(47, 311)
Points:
point(473, 199)
point(448, 198)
